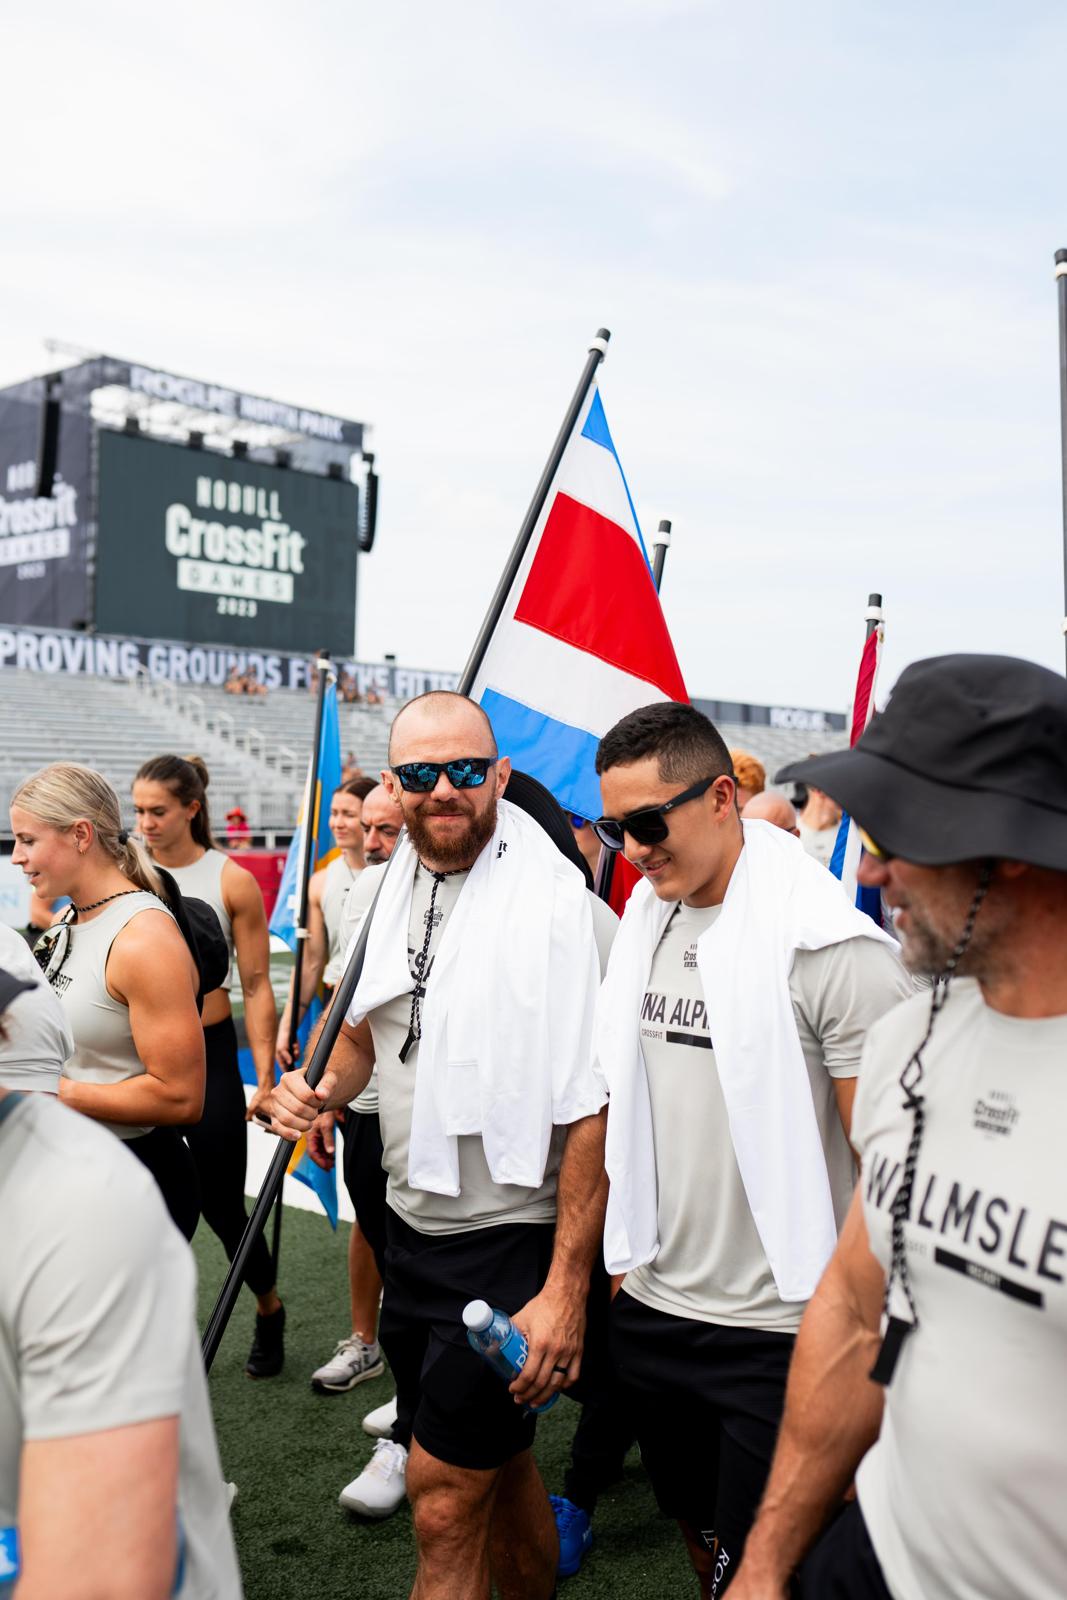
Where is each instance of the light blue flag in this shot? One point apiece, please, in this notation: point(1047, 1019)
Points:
point(313, 838)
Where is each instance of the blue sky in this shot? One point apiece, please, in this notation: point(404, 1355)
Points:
point(822, 237)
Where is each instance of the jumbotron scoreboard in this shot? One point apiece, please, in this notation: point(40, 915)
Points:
point(138, 502)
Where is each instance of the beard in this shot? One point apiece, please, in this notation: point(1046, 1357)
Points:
point(375, 858)
point(459, 849)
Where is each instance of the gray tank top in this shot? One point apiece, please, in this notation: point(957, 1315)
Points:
point(339, 878)
point(203, 880)
point(104, 1051)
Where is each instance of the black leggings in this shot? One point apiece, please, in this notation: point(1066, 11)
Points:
point(168, 1160)
point(219, 1146)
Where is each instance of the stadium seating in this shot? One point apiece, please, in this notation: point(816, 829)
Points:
point(256, 749)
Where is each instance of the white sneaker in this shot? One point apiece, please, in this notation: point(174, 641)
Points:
point(382, 1485)
point(379, 1422)
point(351, 1363)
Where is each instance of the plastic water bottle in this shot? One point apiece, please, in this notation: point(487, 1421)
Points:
point(9, 1561)
point(497, 1340)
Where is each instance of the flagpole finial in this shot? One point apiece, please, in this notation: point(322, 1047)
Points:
point(1060, 259)
point(663, 532)
point(603, 336)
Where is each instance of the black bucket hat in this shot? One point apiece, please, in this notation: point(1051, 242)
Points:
point(967, 761)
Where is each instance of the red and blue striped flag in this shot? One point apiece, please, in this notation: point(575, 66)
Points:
point(582, 639)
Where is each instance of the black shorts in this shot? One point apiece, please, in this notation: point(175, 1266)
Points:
point(448, 1398)
point(843, 1565)
point(706, 1400)
point(365, 1177)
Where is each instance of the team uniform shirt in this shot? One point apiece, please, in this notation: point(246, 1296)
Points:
point(711, 1265)
point(480, 1203)
point(97, 1329)
point(818, 842)
point(104, 1051)
point(37, 1038)
point(964, 1492)
point(203, 880)
point(337, 880)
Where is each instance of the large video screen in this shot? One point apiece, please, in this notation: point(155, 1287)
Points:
point(44, 539)
point(197, 546)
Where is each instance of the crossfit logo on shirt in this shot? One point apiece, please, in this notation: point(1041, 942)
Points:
point(689, 958)
point(996, 1114)
point(60, 983)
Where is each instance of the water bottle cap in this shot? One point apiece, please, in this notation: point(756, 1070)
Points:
point(477, 1315)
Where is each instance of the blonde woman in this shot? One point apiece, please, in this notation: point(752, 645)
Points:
point(170, 804)
point(123, 973)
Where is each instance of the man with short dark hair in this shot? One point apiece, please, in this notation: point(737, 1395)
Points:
point(740, 988)
point(493, 1139)
point(949, 1285)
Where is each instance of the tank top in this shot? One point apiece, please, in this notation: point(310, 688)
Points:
point(104, 1051)
point(338, 879)
point(203, 880)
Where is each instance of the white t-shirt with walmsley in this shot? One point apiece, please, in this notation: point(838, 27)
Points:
point(97, 1330)
point(965, 1492)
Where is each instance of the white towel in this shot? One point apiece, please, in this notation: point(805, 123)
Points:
point(779, 900)
point(507, 1020)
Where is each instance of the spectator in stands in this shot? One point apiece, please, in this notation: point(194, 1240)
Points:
point(351, 770)
point(235, 683)
point(238, 833)
point(170, 802)
point(347, 688)
point(122, 969)
point(750, 776)
point(109, 1472)
point(771, 806)
point(253, 686)
point(373, 698)
point(819, 822)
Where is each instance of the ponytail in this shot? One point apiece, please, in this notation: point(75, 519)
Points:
point(187, 779)
point(65, 793)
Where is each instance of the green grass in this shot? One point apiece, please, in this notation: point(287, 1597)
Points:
point(291, 1451)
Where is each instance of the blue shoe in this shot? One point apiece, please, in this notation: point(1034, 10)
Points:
point(575, 1534)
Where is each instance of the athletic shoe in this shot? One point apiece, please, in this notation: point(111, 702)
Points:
point(382, 1485)
point(379, 1422)
point(351, 1363)
point(267, 1355)
point(575, 1534)
point(231, 1495)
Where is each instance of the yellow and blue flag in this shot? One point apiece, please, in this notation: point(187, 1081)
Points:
point(313, 840)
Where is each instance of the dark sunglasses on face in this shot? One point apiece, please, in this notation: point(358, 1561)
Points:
point(419, 777)
point(646, 827)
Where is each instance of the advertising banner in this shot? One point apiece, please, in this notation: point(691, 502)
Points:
point(44, 540)
point(196, 545)
point(164, 661)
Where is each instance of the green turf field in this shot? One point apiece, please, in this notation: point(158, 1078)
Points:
point(290, 1452)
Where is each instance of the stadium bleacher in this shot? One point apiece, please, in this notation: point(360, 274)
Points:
point(256, 749)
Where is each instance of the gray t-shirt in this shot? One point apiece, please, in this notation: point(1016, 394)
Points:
point(37, 1038)
point(965, 1490)
point(711, 1265)
point(818, 842)
point(97, 1331)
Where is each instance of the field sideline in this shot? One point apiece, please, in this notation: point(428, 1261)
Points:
point(290, 1452)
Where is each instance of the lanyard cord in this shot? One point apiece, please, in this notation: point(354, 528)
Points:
point(898, 1328)
point(420, 973)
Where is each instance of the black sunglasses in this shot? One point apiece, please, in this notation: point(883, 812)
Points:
point(647, 827)
point(419, 777)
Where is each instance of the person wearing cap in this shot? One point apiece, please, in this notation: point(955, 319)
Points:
point(741, 986)
point(931, 1357)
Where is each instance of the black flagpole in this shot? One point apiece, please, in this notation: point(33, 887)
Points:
point(1061, 289)
point(597, 351)
point(605, 872)
point(303, 877)
point(272, 1183)
point(271, 1187)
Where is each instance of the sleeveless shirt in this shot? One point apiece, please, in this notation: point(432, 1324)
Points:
point(104, 1051)
point(203, 880)
point(338, 878)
